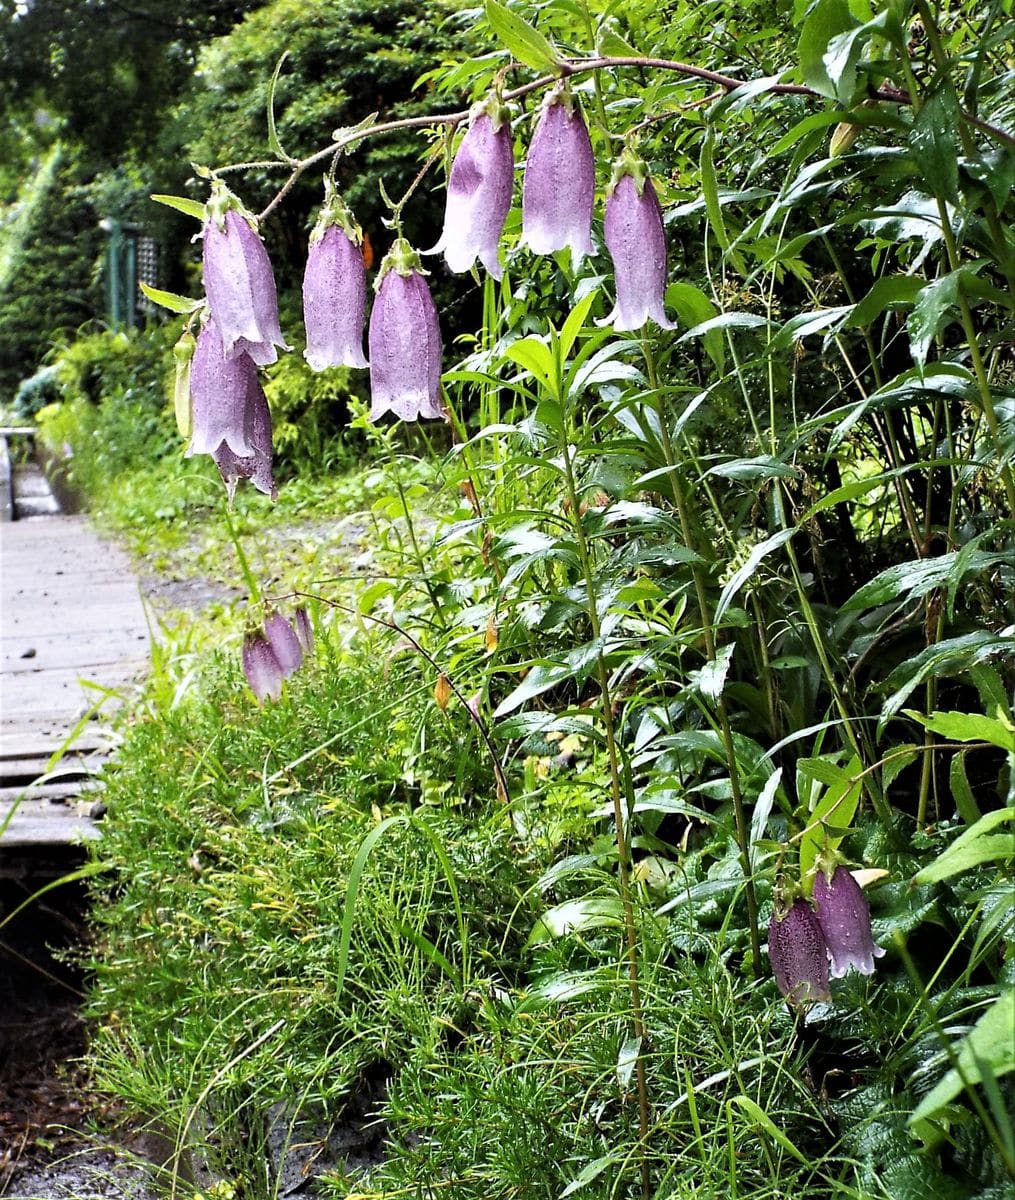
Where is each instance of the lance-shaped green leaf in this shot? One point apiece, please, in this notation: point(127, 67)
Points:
point(523, 40)
point(170, 300)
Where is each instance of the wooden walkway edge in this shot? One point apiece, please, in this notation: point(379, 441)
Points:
point(72, 630)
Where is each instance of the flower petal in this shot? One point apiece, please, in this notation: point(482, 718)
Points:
point(264, 675)
point(219, 390)
point(405, 348)
point(240, 285)
point(633, 229)
point(558, 188)
point(479, 197)
point(796, 949)
point(845, 919)
point(284, 643)
point(256, 466)
point(334, 301)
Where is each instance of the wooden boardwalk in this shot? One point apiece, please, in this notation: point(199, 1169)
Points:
point(72, 629)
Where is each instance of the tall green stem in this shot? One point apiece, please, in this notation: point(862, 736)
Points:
point(621, 813)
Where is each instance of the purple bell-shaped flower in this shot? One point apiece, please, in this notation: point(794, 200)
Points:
point(844, 916)
point(261, 667)
point(796, 948)
point(404, 340)
point(284, 643)
point(479, 191)
point(238, 280)
point(633, 228)
point(229, 413)
point(335, 288)
point(558, 188)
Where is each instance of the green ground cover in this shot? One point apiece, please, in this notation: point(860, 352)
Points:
point(602, 670)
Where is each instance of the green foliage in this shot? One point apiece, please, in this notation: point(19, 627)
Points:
point(720, 601)
point(48, 269)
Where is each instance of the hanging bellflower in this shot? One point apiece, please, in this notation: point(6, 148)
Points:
point(796, 948)
point(238, 280)
point(404, 340)
point(558, 188)
point(335, 288)
point(844, 916)
point(261, 668)
point(285, 644)
point(633, 229)
point(479, 190)
point(229, 413)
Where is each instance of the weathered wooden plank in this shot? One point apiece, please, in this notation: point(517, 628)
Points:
point(56, 824)
point(72, 616)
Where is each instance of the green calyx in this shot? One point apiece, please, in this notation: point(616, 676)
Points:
point(827, 862)
point(401, 258)
point(628, 163)
point(494, 107)
point(335, 211)
point(221, 201)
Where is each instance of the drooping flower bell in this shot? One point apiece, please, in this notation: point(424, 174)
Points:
point(404, 340)
point(844, 916)
point(229, 413)
point(335, 288)
point(284, 643)
point(796, 948)
point(238, 280)
point(304, 630)
point(479, 190)
point(633, 228)
point(558, 188)
point(261, 667)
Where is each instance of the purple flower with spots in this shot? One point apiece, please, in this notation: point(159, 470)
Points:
point(845, 920)
point(335, 288)
point(239, 282)
point(479, 191)
point(285, 645)
point(633, 229)
point(404, 341)
point(261, 667)
point(796, 948)
point(558, 188)
point(229, 413)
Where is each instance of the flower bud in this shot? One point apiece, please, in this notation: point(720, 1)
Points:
point(183, 355)
point(796, 948)
point(845, 920)
point(335, 288)
point(238, 281)
point(558, 187)
point(479, 191)
point(304, 630)
point(633, 228)
point(843, 137)
point(404, 340)
point(260, 666)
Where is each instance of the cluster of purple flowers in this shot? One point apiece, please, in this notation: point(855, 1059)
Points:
point(240, 332)
point(808, 944)
point(274, 652)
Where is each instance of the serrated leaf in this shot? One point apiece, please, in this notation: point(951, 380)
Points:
point(934, 142)
point(977, 845)
point(192, 208)
point(523, 40)
point(988, 1048)
point(968, 727)
point(170, 300)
